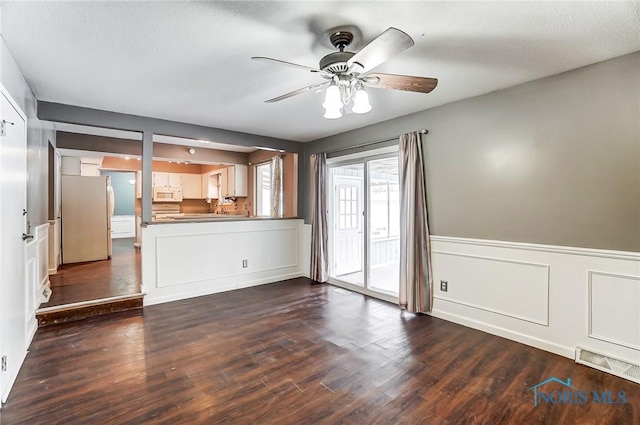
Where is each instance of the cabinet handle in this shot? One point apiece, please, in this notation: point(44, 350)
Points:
point(25, 236)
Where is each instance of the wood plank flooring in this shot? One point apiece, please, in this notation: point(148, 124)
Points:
point(293, 353)
point(98, 279)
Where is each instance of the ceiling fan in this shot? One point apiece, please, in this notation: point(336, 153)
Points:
point(346, 73)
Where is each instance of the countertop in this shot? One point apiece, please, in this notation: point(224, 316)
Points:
point(207, 217)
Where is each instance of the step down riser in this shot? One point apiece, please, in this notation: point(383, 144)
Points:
point(74, 313)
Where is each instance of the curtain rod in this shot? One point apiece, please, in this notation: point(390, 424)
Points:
point(361, 145)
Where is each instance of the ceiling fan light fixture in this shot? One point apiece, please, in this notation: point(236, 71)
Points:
point(361, 103)
point(346, 72)
point(332, 98)
point(333, 113)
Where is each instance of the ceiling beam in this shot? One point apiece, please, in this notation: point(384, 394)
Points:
point(58, 112)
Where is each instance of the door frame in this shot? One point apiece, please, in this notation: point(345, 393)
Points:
point(364, 158)
point(22, 346)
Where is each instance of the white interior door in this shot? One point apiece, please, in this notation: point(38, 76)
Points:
point(347, 204)
point(13, 203)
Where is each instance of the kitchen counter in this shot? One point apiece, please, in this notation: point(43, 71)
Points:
point(209, 217)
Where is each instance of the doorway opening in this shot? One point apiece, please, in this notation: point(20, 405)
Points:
point(93, 259)
point(364, 223)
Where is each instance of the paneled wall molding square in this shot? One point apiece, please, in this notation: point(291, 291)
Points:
point(503, 272)
point(614, 308)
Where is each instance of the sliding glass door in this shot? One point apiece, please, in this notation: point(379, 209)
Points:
point(364, 223)
point(384, 229)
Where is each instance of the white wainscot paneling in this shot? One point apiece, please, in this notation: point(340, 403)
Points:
point(614, 308)
point(31, 287)
point(550, 297)
point(183, 260)
point(54, 246)
point(36, 277)
point(512, 288)
point(123, 226)
point(42, 239)
point(305, 248)
point(215, 255)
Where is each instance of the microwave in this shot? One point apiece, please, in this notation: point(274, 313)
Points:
point(167, 194)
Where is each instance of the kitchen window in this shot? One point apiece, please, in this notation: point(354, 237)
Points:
point(263, 189)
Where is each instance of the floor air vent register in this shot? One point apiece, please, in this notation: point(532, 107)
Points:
point(608, 364)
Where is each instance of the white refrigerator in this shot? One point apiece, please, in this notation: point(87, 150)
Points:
point(87, 207)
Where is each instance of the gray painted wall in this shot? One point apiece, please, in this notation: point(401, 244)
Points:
point(38, 137)
point(554, 161)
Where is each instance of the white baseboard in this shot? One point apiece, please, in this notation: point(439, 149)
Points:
point(45, 291)
point(561, 350)
point(216, 289)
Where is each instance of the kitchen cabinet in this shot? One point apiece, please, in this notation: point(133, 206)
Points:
point(210, 185)
point(233, 181)
point(162, 179)
point(70, 165)
point(89, 169)
point(223, 184)
point(191, 186)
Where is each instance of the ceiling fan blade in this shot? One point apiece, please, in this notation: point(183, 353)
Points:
point(401, 82)
point(386, 45)
point(278, 61)
point(296, 92)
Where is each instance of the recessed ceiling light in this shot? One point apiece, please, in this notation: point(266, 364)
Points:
point(127, 158)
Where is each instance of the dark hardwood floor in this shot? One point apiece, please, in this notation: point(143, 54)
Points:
point(293, 353)
point(98, 279)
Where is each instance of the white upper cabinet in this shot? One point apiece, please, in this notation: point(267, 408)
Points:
point(233, 181)
point(210, 185)
point(162, 179)
point(229, 182)
point(191, 186)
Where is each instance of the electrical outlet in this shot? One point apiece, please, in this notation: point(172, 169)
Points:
point(4, 363)
point(444, 285)
point(245, 264)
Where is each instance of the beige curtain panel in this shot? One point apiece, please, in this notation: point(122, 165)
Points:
point(416, 288)
point(276, 186)
point(319, 231)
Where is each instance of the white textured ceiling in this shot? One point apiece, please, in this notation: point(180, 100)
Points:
point(190, 61)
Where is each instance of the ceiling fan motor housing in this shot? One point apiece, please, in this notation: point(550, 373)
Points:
point(336, 62)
